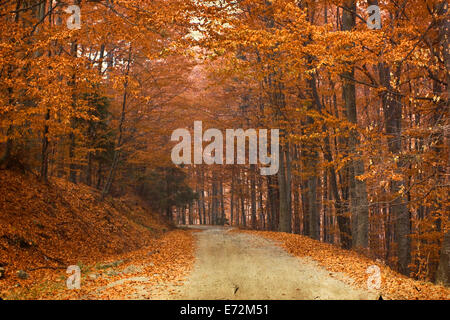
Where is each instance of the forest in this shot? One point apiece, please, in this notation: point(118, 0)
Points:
point(91, 93)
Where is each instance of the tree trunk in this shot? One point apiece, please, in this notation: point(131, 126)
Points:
point(314, 218)
point(91, 128)
point(285, 214)
point(253, 195)
point(262, 220)
point(191, 214)
point(222, 204)
point(305, 208)
point(203, 197)
point(242, 196)
point(40, 13)
point(358, 193)
point(232, 191)
point(273, 200)
point(117, 151)
point(296, 208)
point(443, 272)
point(398, 208)
point(44, 153)
point(199, 200)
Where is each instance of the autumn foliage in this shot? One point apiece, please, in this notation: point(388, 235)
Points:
point(363, 115)
point(45, 228)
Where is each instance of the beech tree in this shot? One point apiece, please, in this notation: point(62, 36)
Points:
point(363, 113)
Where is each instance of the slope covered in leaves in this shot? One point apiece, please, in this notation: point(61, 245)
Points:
point(47, 227)
point(354, 266)
point(138, 274)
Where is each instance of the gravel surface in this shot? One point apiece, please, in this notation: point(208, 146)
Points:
point(232, 265)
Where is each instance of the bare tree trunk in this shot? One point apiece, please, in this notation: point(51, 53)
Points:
point(232, 192)
point(222, 204)
point(200, 200)
point(314, 217)
point(272, 199)
point(305, 207)
point(262, 220)
point(392, 108)
point(359, 204)
point(91, 126)
point(285, 213)
point(242, 196)
point(191, 214)
point(253, 195)
point(443, 272)
point(289, 185)
point(296, 207)
point(203, 196)
point(214, 208)
point(72, 167)
point(44, 153)
point(324, 206)
point(45, 143)
point(117, 151)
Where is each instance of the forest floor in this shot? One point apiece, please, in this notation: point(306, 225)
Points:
point(210, 262)
point(47, 227)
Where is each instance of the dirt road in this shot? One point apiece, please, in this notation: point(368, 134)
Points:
point(231, 265)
